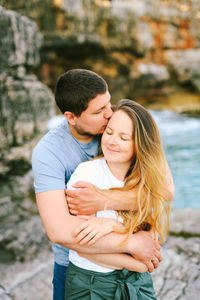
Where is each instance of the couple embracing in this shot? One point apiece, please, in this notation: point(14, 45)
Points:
point(119, 189)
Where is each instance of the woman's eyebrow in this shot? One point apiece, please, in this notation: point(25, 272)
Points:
point(121, 132)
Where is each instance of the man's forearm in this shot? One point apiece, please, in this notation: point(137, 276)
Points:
point(118, 200)
point(88, 199)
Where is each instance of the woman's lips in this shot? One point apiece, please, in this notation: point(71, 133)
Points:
point(112, 150)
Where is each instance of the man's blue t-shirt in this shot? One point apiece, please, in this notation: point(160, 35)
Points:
point(54, 159)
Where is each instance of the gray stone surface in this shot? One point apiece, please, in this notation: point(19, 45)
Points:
point(30, 280)
point(19, 34)
point(185, 221)
point(25, 108)
point(185, 64)
point(179, 272)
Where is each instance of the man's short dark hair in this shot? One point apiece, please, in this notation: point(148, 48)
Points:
point(76, 88)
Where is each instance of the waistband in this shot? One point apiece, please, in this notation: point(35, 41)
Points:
point(125, 283)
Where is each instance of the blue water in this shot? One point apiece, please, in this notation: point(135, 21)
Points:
point(181, 140)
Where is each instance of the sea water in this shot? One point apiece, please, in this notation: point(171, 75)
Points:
point(181, 141)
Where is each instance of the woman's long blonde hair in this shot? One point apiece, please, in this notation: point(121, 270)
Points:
point(146, 173)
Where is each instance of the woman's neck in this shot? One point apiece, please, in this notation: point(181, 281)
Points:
point(119, 170)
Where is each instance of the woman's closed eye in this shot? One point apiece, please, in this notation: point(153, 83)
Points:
point(109, 131)
point(125, 138)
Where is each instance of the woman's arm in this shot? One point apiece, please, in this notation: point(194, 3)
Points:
point(94, 228)
point(117, 261)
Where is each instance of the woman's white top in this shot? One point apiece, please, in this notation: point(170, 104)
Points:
point(98, 173)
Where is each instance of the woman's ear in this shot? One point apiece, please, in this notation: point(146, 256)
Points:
point(70, 117)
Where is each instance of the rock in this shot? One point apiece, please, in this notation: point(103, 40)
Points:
point(26, 103)
point(26, 106)
point(32, 279)
point(178, 275)
point(25, 109)
point(185, 221)
point(23, 240)
point(177, 272)
point(185, 64)
point(21, 35)
point(115, 38)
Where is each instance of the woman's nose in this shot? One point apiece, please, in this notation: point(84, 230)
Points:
point(112, 140)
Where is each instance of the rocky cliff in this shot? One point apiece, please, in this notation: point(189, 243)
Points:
point(26, 105)
point(147, 50)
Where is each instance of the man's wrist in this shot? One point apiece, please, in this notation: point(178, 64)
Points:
point(129, 245)
point(101, 200)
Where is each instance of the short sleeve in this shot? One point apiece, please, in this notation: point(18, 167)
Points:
point(48, 171)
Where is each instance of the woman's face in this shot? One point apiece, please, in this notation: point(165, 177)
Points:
point(117, 140)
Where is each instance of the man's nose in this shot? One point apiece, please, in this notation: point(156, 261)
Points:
point(108, 113)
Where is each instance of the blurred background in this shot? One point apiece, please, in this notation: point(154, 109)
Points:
point(146, 50)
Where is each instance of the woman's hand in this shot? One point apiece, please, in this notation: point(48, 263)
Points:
point(92, 229)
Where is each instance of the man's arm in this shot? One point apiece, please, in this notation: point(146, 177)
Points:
point(88, 199)
point(60, 225)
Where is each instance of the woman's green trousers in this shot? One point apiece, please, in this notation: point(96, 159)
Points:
point(117, 285)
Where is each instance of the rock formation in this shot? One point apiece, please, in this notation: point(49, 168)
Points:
point(151, 57)
point(25, 107)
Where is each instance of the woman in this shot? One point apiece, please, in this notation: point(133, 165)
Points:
point(132, 156)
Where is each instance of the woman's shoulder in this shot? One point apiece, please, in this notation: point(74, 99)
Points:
point(87, 171)
point(91, 164)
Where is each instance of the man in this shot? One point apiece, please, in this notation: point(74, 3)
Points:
point(83, 98)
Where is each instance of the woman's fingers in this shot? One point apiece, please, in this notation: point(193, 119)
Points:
point(95, 238)
point(87, 238)
point(83, 235)
point(80, 229)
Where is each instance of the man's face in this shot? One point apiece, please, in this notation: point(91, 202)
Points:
point(94, 119)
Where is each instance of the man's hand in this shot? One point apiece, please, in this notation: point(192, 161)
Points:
point(85, 200)
point(145, 248)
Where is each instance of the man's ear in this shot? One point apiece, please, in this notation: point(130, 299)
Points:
point(70, 117)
